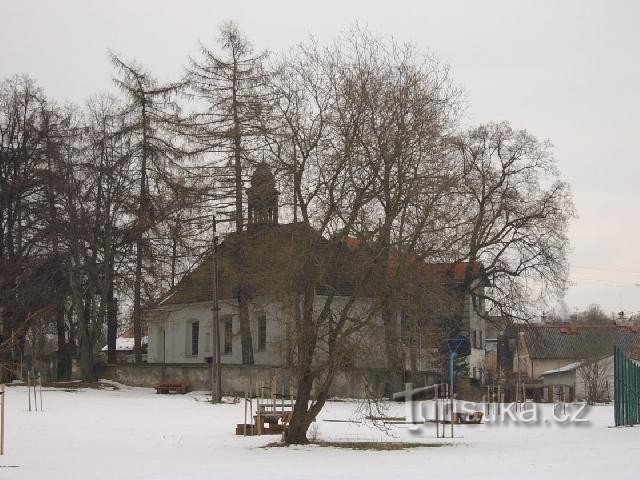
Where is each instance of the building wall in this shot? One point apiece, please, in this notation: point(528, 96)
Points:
point(561, 378)
point(542, 365)
point(170, 334)
point(533, 368)
point(575, 378)
point(237, 379)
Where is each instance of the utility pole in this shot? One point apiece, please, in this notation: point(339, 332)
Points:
point(216, 370)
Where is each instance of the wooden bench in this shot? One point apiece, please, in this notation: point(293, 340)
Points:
point(165, 388)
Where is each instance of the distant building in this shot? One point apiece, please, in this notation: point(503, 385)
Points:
point(545, 348)
point(125, 344)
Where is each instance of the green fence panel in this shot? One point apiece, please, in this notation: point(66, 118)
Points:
point(626, 390)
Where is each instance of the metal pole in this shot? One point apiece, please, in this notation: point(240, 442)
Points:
point(452, 359)
point(216, 370)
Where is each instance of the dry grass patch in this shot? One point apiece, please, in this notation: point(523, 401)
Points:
point(375, 446)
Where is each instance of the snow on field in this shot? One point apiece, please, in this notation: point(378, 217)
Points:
point(132, 433)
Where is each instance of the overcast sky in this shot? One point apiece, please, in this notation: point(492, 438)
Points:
point(566, 71)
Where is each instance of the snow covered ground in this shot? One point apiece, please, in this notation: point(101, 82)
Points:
point(132, 433)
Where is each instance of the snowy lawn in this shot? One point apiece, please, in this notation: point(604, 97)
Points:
point(132, 433)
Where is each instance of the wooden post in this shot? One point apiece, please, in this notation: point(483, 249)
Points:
point(2, 396)
point(259, 412)
point(29, 387)
point(253, 427)
point(291, 394)
point(246, 399)
point(273, 394)
point(40, 387)
point(257, 408)
point(436, 411)
point(492, 407)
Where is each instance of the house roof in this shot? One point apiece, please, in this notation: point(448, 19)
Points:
point(274, 254)
point(267, 250)
point(565, 368)
point(579, 341)
point(457, 272)
point(446, 273)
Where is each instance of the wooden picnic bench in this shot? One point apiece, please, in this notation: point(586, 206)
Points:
point(177, 387)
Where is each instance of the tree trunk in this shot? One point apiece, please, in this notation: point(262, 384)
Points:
point(87, 370)
point(63, 356)
point(243, 297)
point(112, 326)
point(297, 430)
point(246, 339)
point(306, 341)
point(392, 347)
point(86, 360)
point(142, 220)
point(245, 331)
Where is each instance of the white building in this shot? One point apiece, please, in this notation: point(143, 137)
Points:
point(180, 324)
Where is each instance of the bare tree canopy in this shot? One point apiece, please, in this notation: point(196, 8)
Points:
point(359, 143)
point(514, 213)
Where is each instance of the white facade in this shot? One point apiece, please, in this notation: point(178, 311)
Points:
point(182, 333)
point(171, 333)
point(572, 376)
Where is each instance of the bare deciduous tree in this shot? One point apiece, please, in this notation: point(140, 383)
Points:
point(360, 146)
point(514, 212)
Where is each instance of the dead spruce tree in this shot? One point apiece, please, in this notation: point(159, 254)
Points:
point(230, 86)
point(150, 110)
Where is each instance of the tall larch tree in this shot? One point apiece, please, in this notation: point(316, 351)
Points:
point(231, 87)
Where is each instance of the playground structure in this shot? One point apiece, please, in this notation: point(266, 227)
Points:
point(626, 381)
point(273, 409)
point(445, 412)
point(536, 392)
